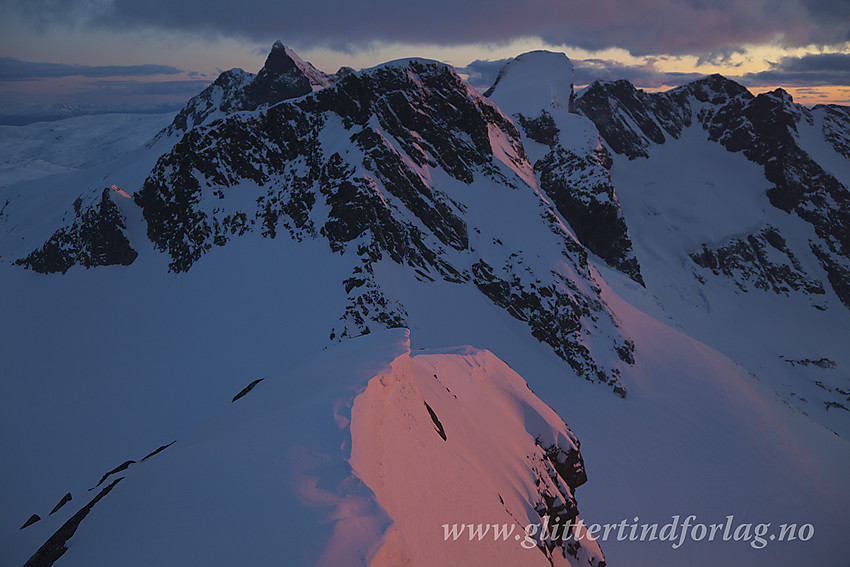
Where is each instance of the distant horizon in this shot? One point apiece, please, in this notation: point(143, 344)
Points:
point(479, 73)
point(120, 54)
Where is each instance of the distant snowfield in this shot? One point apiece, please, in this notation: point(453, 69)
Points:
point(45, 148)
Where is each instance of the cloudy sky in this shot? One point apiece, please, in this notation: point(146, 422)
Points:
point(153, 54)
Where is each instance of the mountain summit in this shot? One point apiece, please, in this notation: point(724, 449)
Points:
point(283, 76)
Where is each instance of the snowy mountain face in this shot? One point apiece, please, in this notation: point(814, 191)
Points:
point(765, 230)
point(96, 237)
point(222, 376)
point(536, 89)
point(395, 163)
point(770, 130)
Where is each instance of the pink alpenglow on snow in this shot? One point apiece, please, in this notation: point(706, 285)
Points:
point(120, 191)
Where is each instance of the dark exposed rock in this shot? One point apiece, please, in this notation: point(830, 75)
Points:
point(65, 500)
point(32, 519)
point(158, 451)
point(247, 389)
point(553, 313)
point(568, 464)
point(615, 106)
point(437, 425)
point(759, 261)
point(96, 237)
point(283, 76)
point(279, 79)
point(541, 129)
point(822, 362)
point(55, 547)
point(225, 95)
point(583, 194)
point(836, 126)
point(560, 471)
point(123, 466)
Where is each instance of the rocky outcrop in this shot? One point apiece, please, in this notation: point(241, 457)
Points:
point(31, 520)
point(65, 499)
point(630, 120)
point(55, 547)
point(246, 389)
point(835, 122)
point(760, 261)
point(581, 189)
point(96, 237)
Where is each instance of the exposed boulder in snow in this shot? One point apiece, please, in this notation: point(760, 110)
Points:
point(31, 520)
point(246, 389)
point(65, 499)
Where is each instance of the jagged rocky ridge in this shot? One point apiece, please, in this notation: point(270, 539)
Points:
point(284, 76)
point(406, 125)
point(765, 128)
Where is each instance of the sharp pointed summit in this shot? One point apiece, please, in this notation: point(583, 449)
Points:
point(283, 76)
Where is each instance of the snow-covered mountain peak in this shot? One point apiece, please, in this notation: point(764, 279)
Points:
point(713, 89)
point(534, 80)
point(536, 90)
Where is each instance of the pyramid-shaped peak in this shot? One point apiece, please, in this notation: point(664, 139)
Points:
point(279, 60)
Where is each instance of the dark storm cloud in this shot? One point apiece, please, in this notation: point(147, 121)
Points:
point(640, 26)
point(809, 70)
point(15, 70)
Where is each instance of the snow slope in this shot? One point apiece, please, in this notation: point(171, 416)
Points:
point(479, 458)
point(273, 466)
point(692, 194)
